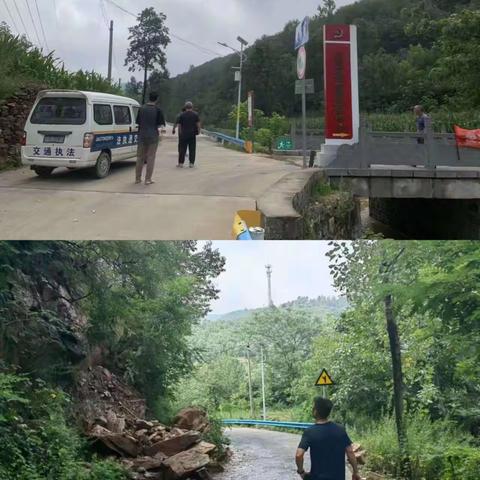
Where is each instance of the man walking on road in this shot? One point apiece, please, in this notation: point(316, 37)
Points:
point(149, 119)
point(188, 129)
point(328, 444)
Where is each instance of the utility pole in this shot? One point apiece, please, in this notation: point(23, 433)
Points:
point(110, 53)
point(269, 278)
point(263, 385)
point(250, 393)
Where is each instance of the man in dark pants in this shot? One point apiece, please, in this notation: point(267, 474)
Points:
point(149, 119)
point(188, 129)
point(328, 444)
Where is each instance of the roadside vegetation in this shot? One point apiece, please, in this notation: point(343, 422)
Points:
point(432, 287)
point(70, 309)
point(24, 65)
point(408, 55)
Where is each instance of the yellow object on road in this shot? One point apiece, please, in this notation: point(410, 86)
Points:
point(245, 223)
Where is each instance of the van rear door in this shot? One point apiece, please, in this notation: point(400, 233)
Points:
point(56, 127)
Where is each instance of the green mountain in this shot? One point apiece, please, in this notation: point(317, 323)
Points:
point(407, 56)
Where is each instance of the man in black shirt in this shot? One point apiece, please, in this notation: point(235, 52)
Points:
point(328, 444)
point(149, 119)
point(188, 129)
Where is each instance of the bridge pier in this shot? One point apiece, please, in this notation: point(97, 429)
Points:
point(429, 219)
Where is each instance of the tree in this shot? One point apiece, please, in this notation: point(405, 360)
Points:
point(327, 9)
point(148, 40)
point(133, 88)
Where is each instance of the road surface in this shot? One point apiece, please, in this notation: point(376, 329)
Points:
point(183, 204)
point(263, 455)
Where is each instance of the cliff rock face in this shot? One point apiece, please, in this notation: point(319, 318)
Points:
point(13, 115)
point(47, 324)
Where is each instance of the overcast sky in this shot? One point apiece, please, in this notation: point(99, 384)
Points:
point(77, 30)
point(299, 269)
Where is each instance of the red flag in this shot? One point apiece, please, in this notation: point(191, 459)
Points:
point(467, 138)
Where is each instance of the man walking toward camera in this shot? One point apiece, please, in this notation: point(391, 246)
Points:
point(328, 444)
point(149, 119)
point(188, 129)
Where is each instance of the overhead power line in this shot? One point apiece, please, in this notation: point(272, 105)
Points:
point(41, 25)
point(21, 19)
point(34, 24)
point(196, 45)
point(14, 24)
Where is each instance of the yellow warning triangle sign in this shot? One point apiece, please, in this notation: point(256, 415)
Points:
point(324, 379)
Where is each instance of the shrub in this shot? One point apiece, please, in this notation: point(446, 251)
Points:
point(437, 450)
point(37, 443)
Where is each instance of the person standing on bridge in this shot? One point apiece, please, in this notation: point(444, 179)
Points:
point(149, 119)
point(422, 120)
point(188, 129)
point(328, 444)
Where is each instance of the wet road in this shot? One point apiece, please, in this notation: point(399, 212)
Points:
point(262, 455)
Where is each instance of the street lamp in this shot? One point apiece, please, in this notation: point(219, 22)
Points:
point(243, 44)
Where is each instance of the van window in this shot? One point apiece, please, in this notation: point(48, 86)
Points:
point(122, 115)
point(60, 111)
point(135, 113)
point(102, 114)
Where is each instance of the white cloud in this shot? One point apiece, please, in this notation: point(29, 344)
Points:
point(299, 269)
point(80, 36)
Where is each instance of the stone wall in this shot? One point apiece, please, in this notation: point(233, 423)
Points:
point(425, 219)
point(13, 115)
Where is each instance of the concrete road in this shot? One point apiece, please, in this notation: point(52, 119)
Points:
point(183, 204)
point(263, 455)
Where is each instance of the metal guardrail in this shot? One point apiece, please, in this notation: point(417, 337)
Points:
point(268, 423)
point(222, 138)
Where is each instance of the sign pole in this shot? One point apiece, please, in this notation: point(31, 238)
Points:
point(304, 125)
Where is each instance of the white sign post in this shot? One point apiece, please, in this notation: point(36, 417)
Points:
point(302, 36)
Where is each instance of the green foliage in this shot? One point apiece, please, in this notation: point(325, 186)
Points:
point(141, 300)
point(22, 64)
point(37, 444)
point(410, 52)
point(437, 449)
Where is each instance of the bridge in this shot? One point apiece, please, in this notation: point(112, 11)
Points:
point(406, 165)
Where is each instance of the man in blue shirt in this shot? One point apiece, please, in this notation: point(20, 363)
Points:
point(328, 444)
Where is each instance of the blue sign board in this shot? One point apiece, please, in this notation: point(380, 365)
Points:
point(302, 35)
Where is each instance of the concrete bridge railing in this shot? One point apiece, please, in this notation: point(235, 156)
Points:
point(396, 149)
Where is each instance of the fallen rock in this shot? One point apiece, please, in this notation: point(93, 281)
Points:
point(121, 444)
point(192, 418)
point(148, 463)
point(204, 447)
point(360, 453)
point(173, 445)
point(185, 464)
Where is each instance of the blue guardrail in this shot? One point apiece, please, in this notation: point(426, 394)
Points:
point(268, 423)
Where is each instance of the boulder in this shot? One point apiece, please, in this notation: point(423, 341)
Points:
point(173, 445)
point(185, 464)
point(204, 447)
point(192, 418)
point(123, 445)
point(141, 424)
point(360, 453)
point(148, 463)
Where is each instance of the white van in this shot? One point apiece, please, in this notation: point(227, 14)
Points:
point(76, 129)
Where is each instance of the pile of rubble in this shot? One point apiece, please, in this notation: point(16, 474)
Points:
point(113, 418)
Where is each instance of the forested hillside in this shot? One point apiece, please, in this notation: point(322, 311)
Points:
point(411, 51)
point(321, 305)
point(418, 297)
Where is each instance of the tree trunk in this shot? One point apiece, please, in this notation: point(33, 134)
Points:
point(398, 387)
point(145, 85)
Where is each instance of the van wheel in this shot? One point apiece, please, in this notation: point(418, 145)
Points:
point(102, 168)
point(43, 172)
